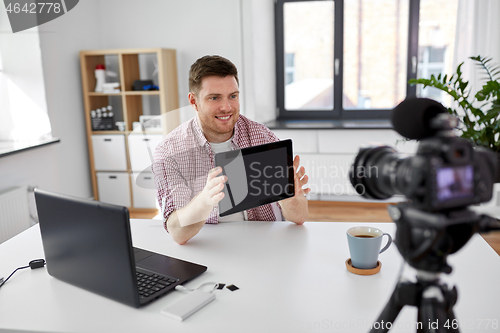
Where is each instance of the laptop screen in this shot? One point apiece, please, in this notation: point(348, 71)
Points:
point(256, 176)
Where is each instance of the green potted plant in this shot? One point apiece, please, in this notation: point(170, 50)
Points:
point(479, 117)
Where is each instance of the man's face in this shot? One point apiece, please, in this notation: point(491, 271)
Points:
point(218, 107)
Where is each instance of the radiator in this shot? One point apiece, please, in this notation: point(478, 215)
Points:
point(328, 173)
point(14, 212)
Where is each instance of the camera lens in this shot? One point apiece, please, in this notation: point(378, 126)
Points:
point(376, 172)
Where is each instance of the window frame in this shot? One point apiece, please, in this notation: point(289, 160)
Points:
point(338, 112)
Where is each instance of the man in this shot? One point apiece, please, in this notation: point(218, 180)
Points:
point(189, 188)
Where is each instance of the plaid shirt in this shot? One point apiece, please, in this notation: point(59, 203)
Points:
point(184, 158)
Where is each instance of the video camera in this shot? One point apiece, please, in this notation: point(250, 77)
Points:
point(445, 175)
point(446, 172)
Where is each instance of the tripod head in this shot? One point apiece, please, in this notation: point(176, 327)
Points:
point(426, 239)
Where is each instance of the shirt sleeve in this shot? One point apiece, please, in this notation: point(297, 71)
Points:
point(172, 192)
point(272, 136)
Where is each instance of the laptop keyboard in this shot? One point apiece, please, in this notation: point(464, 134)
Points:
point(150, 284)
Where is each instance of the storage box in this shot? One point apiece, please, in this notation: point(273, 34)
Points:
point(114, 188)
point(109, 152)
point(143, 190)
point(141, 148)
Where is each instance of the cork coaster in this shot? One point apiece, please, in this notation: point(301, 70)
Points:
point(360, 271)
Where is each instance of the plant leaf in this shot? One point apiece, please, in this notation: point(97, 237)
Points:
point(480, 113)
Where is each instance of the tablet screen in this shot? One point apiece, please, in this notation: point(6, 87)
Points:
point(256, 176)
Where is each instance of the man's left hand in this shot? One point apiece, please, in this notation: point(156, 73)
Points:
point(300, 178)
point(295, 209)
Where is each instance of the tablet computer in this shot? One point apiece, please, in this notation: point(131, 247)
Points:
point(256, 176)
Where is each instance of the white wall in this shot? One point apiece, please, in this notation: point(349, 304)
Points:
point(61, 167)
point(259, 59)
point(240, 30)
point(193, 27)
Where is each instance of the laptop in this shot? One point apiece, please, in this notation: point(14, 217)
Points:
point(88, 244)
point(256, 176)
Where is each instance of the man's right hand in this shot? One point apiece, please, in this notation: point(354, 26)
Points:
point(212, 192)
point(186, 222)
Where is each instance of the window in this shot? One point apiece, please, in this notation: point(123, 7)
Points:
point(289, 68)
point(352, 59)
point(431, 62)
point(436, 39)
point(23, 107)
point(308, 43)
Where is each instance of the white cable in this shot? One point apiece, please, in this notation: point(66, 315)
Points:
point(207, 284)
point(182, 288)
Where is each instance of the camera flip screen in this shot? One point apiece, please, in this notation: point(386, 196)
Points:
point(455, 182)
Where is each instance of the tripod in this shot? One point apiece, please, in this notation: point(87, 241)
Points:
point(434, 301)
point(425, 240)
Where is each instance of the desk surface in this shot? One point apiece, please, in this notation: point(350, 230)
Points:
point(291, 279)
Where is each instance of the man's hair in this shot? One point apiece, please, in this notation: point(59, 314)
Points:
point(210, 65)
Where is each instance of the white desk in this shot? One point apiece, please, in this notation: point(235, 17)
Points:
point(291, 279)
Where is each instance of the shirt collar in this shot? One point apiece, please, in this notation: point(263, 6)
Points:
point(198, 133)
point(237, 130)
point(201, 140)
